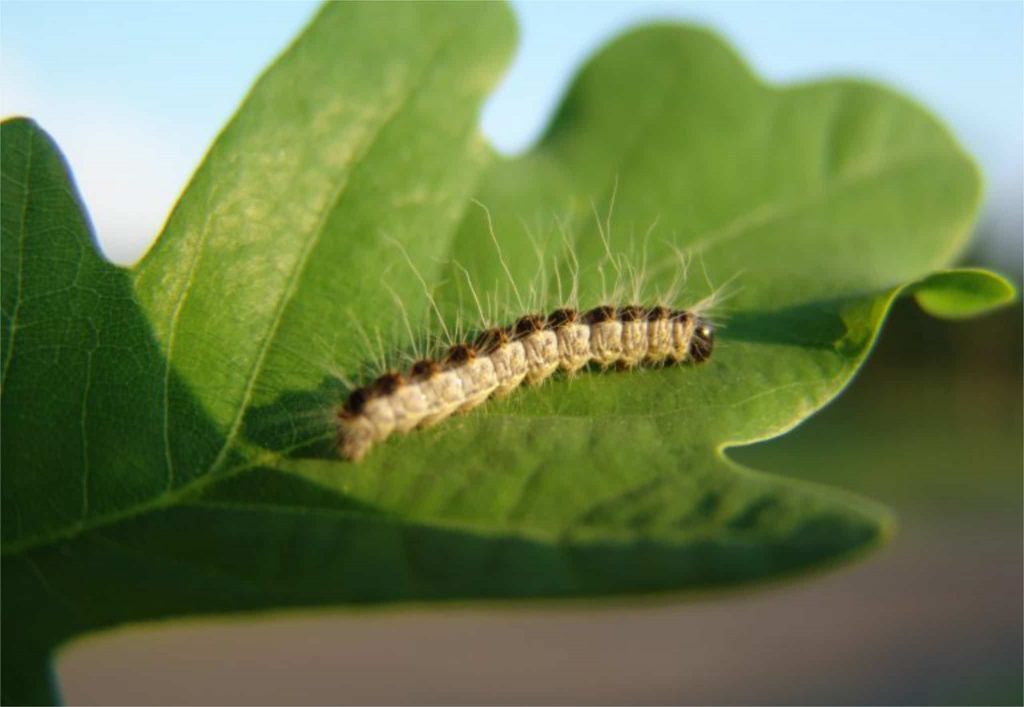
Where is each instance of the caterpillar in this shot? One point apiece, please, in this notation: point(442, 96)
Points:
point(498, 359)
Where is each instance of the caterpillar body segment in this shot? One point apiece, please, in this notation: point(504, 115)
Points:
point(605, 335)
point(540, 345)
point(442, 390)
point(634, 336)
point(498, 360)
point(367, 418)
point(683, 326)
point(508, 358)
point(659, 334)
point(475, 372)
point(381, 405)
point(409, 406)
point(573, 337)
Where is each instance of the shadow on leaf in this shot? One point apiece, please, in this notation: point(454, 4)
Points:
point(298, 424)
point(830, 325)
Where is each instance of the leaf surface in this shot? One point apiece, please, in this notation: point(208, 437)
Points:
point(167, 428)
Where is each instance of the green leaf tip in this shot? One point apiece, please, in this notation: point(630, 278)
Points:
point(963, 293)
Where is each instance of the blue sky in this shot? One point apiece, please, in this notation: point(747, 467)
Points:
point(135, 92)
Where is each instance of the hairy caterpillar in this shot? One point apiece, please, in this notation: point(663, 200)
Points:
point(498, 359)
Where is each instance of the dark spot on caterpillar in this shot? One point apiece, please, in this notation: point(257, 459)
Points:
point(597, 315)
point(658, 313)
point(460, 353)
point(561, 317)
point(357, 400)
point(424, 369)
point(680, 315)
point(488, 341)
point(703, 342)
point(387, 384)
point(527, 325)
point(630, 313)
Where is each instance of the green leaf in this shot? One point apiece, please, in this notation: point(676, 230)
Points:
point(960, 294)
point(79, 362)
point(167, 428)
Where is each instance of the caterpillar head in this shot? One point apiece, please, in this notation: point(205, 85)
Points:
point(703, 341)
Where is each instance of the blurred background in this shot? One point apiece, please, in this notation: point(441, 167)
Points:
point(134, 94)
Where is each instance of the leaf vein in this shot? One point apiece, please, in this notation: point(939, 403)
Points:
point(310, 246)
point(22, 230)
